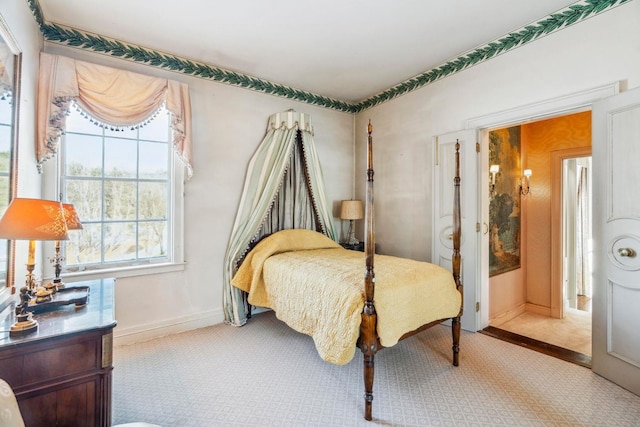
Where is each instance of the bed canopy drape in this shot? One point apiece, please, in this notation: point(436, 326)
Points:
point(283, 189)
point(113, 98)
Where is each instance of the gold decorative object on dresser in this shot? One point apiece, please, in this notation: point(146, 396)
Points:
point(61, 372)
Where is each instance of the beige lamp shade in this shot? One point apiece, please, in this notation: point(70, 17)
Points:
point(33, 219)
point(351, 209)
point(71, 217)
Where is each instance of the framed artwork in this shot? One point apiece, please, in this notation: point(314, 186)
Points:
point(504, 207)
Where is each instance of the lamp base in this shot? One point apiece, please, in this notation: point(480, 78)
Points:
point(25, 324)
point(351, 235)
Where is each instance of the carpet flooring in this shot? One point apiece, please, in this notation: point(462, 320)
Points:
point(265, 374)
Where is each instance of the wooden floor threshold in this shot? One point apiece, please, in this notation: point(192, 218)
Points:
point(539, 346)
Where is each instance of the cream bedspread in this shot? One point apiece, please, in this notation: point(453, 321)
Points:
point(317, 288)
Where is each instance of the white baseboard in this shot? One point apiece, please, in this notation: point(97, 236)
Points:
point(134, 334)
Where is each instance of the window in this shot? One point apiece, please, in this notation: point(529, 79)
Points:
point(125, 183)
point(126, 191)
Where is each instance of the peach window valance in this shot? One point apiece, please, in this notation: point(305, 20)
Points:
point(6, 72)
point(116, 98)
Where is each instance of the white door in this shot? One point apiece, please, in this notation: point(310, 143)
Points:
point(444, 172)
point(616, 230)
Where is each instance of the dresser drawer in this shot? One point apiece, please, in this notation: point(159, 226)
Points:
point(54, 360)
point(71, 405)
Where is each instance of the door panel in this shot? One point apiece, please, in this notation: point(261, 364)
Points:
point(444, 173)
point(616, 301)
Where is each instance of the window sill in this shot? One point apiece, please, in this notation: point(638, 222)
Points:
point(122, 272)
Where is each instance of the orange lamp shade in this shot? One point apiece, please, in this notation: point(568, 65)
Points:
point(71, 217)
point(33, 219)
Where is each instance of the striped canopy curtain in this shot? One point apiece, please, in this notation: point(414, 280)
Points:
point(284, 188)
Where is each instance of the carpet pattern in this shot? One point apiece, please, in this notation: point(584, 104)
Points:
point(265, 374)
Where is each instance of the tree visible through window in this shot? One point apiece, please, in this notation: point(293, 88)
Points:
point(119, 181)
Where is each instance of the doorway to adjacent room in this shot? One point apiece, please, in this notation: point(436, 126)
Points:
point(555, 269)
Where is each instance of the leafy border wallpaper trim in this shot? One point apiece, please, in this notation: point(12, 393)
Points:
point(72, 37)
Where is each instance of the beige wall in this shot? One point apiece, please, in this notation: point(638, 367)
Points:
point(593, 53)
point(228, 125)
point(24, 30)
point(229, 122)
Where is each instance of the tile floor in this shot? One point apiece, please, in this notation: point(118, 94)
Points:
point(573, 332)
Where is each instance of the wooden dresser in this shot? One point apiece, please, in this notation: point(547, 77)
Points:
point(61, 373)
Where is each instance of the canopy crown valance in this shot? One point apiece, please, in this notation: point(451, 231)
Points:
point(116, 98)
point(290, 119)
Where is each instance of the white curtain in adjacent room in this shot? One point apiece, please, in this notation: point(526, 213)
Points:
point(583, 234)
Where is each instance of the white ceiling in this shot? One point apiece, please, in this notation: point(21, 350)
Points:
point(343, 49)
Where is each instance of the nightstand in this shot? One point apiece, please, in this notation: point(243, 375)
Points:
point(357, 247)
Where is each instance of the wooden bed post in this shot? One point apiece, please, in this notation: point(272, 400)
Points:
point(456, 259)
point(369, 343)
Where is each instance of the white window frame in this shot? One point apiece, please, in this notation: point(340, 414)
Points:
point(51, 180)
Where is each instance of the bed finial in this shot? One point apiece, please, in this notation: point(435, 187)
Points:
point(370, 151)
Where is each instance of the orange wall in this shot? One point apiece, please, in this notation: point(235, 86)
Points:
point(539, 140)
point(530, 285)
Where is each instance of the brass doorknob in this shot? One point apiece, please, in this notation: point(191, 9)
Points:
point(628, 252)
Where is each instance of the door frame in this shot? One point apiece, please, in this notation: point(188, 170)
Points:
point(559, 106)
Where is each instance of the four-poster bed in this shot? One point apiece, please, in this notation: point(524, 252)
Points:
point(315, 286)
point(369, 342)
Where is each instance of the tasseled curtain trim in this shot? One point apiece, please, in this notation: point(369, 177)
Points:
point(117, 99)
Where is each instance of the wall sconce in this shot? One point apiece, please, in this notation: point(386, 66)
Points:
point(493, 170)
point(524, 183)
point(351, 210)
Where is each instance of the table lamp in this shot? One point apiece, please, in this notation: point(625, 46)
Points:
point(73, 223)
point(351, 210)
point(31, 219)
